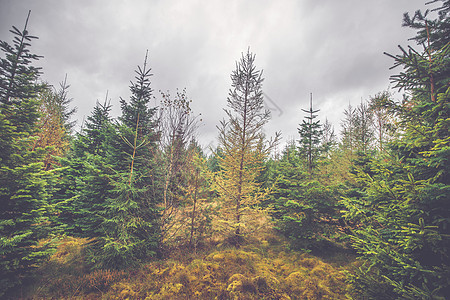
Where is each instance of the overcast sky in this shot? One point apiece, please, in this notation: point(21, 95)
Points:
point(331, 48)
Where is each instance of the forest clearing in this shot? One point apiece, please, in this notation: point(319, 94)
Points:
point(134, 207)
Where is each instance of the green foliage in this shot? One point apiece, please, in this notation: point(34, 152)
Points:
point(25, 186)
point(402, 207)
point(401, 235)
point(84, 181)
point(304, 210)
point(96, 134)
point(128, 228)
point(17, 74)
point(106, 192)
point(304, 205)
point(310, 138)
point(137, 112)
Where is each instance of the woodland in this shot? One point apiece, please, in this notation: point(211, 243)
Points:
point(133, 208)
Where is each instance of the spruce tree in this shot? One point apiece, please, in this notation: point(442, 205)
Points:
point(310, 137)
point(84, 179)
point(137, 112)
point(403, 204)
point(129, 229)
point(24, 185)
point(17, 73)
point(302, 208)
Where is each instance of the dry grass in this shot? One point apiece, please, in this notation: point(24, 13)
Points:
point(263, 268)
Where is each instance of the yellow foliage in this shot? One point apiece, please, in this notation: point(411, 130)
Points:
point(255, 271)
point(52, 136)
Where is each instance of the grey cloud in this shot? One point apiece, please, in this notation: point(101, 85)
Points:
point(331, 48)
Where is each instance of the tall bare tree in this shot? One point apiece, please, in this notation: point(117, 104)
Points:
point(177, 127)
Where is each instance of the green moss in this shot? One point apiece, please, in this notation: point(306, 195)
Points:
point(245, 273)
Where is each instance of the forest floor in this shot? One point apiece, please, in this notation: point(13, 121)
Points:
point(260, 269)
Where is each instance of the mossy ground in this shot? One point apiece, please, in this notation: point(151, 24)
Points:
point(259, 269)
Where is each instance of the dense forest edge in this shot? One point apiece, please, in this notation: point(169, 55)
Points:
point(134, 208)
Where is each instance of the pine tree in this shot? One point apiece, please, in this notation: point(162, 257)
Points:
point(17, 74)
point(129, 229)
point(25, 189)
point(244, 149)
point(303, 209)
point(85, 181)
point(403, 203)
point(137, 110)
point(310, 137)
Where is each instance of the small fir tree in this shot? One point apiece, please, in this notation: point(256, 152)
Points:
point(310, 137)
point(304, 210)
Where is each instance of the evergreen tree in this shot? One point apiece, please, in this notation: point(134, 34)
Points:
point(17, 74)
point(24, 185)
point(244, 149)
point(310, 137)
point(403, 203)
point(303, 209)
point(129, 229)
point(97, 132)
point(137, 112)
point(85, 177)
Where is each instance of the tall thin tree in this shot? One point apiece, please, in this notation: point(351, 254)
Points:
point(310, 136)
point(243, 143)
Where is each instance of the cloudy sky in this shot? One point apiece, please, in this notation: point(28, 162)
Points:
point(333, 49)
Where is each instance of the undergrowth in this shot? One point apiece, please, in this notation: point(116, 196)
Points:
point(264, 269)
